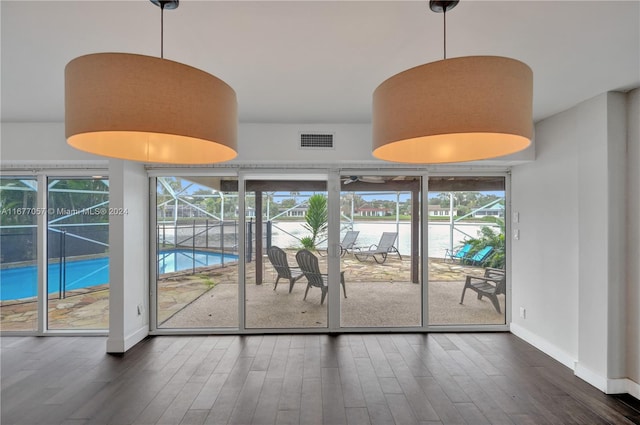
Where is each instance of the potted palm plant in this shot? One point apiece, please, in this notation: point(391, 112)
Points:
point(316, 219)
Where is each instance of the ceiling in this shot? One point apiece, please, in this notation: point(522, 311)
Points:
point(319, 61)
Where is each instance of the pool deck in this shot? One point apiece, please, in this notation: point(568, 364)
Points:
point(86, 308)
point(378, 295)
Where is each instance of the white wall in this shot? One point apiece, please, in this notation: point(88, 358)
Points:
point(568, 268)
point(279, 143)
point(616, 225)
point(42, 144)
point(544, 260)
point(633, 237)
point(128, 255)
point(593, 204)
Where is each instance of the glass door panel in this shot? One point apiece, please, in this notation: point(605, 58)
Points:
point(78, 253)
point(197, 230)
point(466, 250)
point(382, 266)
point(284, 218)
point(18, 252)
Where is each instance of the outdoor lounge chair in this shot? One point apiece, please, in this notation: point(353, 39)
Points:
point(458, 254)
point(380, 251)
point(348, 243)
point(309, 265)
point(479, 257)
point(279, 261)
point(490, 285)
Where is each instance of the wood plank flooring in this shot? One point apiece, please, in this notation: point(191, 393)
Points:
point(354, 379)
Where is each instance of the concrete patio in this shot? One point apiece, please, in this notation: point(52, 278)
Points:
point(377, 295)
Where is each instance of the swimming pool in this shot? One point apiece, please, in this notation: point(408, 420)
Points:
point(185, 259)
point(21, 282)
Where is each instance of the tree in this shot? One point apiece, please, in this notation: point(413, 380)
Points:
point(288, 203)
point(345, 202)
point(462, 210)
point(16, 195)
point(270, 205)
point(444, 199)
point(67, 197)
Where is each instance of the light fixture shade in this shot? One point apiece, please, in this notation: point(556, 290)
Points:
point(148, 109)
point(454, 110)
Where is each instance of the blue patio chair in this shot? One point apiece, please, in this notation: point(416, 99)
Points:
point(458, 254)
point(479, 257)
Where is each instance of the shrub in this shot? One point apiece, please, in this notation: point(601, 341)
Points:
point(308, 242)
point(488, 237)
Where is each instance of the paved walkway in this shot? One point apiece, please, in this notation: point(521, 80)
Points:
point(378, 295)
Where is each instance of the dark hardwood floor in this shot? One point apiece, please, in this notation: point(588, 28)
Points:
point(466, 378)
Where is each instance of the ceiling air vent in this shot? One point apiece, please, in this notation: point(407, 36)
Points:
point(316, 140)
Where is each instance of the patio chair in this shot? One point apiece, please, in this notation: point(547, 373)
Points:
point(309, 265)
point(278, 259)
point(492, 284)
point(379, 251)
point(479, 257)
point(458, 254)
point(348, 243)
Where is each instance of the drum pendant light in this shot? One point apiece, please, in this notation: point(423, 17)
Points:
point(454, 110)
point(149, 109)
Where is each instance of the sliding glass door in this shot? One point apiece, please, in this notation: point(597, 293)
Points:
point(380, 251)
point(18, 254)
point(196, 245)
point(467, 250)
point(78, 253)
point(286, 268)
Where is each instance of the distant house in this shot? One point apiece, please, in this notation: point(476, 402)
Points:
point(372, 212)
point(497, 210)
point(438, 211)
point(296, 212)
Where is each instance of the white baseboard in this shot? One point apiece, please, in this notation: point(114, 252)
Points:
point(622, 386)
point(633, 388)
point(119, 345)
point(598, 381)
point(608, 386)
point(543, 345)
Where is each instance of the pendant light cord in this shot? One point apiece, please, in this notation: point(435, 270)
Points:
point(442, 6)
point(444, 17)
point(161, 30)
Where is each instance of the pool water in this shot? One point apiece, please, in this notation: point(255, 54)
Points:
point(185, 259)
point(21, 282)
